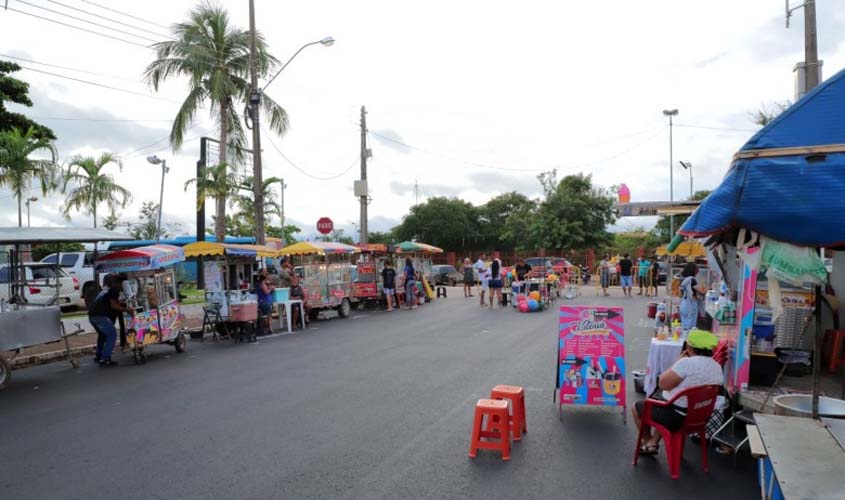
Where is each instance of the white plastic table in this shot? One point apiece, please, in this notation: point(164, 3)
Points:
point(662, 354)
point(288, 306)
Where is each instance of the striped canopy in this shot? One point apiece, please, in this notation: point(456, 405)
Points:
point(210, 249)
point(317, 248)
point(140, 259)
point(416, 246)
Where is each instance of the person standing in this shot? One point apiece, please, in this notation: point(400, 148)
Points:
point(642, 275)
point(265, 301)
point(604, 274)
point(410, 284)
point(495, 281)
point(297, 293)
point(655, 274)
point(625, 275)
point(469, 278)
point(691, 290)
point(285, 275)
point(102, 316)
point(480, 268)
point(388, 277)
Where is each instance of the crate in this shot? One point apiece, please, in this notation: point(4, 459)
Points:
point(244, 311)
point(281, 294)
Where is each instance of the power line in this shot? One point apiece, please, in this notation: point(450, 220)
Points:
point(301, 170)
point(125, 14)
point(74, 119)
point(727, 129)
point(152, 149)
point(77, 27)
point(68, 68)
point(107, 18)
point(102, 85)
point(87, 21)
point(617, 155)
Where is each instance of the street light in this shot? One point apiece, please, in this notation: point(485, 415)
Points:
point(32, 199)
point(670, 113)
point(155, 160)
point(688, 166)
point(253, 112)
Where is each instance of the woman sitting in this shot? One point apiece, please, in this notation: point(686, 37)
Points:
point(695, 368)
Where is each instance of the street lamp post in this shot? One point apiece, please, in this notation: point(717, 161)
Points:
point(253, 112)
point(688, 166)
point(28, 201)
point(155, 160)
point(670, 113)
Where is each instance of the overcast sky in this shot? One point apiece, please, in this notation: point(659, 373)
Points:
point(486, 93)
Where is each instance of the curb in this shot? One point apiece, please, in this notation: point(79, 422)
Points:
point(47, 357)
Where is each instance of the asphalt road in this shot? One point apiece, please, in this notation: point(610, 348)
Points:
point(375, 406)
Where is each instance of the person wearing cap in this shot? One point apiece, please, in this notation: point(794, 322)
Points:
point(103, 314)
point(695, 368)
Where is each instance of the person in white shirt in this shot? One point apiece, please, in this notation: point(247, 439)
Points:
point(481, 268)
point(695, 368)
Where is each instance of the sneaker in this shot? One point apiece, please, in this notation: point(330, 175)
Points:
point(108, 363)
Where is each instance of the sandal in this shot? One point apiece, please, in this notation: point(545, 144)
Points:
point(646, 449)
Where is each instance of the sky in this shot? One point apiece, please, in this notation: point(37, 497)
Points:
point(468, 99)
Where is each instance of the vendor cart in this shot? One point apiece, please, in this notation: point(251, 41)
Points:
point(367, 286)
point(326, 272)
point(420, 254)
point(151, 291)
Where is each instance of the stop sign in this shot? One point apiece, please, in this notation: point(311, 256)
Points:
point(325, 225)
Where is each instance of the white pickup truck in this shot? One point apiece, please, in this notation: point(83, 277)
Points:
point(77, 264)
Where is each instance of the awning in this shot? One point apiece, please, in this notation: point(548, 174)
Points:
point(372, 247)
point(684, 249)
point(317, 248)
point(210, 249)
point(140, 259)
point(35, 235)
point(416, 246)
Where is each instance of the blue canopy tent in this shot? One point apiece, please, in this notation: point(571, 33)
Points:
point(788, 181)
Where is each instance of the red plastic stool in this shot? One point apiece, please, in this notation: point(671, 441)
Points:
point(516, 396)
point(837, 343)
point(498, 427)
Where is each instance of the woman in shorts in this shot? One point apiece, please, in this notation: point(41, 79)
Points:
point(495, 281)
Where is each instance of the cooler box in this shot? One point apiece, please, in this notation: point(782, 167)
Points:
point(281, 294)
point(244, 311)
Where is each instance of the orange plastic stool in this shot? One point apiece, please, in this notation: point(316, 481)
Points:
point(516, 396)
point(497, 427)
point(837, 342)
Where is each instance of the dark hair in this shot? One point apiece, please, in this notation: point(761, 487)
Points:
point(702, 352)
point(626, 255)
point(689, 270)
point(494, 268)
point(408, 262)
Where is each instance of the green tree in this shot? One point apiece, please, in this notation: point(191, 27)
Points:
point(244, 200)
point(18, 170)
point(661, 231)
point(339, 236)
point(574, 214)
point(766, 114)
point(111, 221)
point(92, 186)
point(146, 229)
point(42, 250)
point(493, 217)
point(444, 222)
point(17, 91)
point(385, 237)
point(631, 241)
point(214, 56)
point(285, 234)
point(219, 183)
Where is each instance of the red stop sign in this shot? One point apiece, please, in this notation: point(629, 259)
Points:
point(325, 225)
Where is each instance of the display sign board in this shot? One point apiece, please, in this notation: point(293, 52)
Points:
point(591, 356)
point(212, 271)
point(325, 225)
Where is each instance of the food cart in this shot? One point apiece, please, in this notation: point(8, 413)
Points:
point(151, 291)
point(326, 272)
point(420, 254)
point(367, 286)
point(25, 325)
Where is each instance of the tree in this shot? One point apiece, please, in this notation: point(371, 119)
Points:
point(18, 170)
point(338, 236)
point(93, 187)
point(573, 214)
point(215, 58)
point(285, 234)
point(493, 217)
point(111, 221)
point(444, 222)
point(661, 231)
point(42, 250)
point(385, 237)
point(146, 229)
point(219, 183)
point(765, 115)
point(245, 200)
point(16, 91)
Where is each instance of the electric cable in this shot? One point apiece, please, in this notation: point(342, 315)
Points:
point(301, 170)
point(102, 85)
point(125, 14)
point(107, 18)
point(87, 21)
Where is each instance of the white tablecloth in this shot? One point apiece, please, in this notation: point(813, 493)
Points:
point(661, 356)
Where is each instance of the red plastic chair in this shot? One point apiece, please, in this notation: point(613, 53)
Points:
point(700, 403)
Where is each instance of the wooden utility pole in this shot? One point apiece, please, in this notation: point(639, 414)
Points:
point(364, 235)
point(254, 107)
point(811, 49)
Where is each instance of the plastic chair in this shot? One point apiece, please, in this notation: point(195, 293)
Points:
point(720, 354)
point(498, 428)
point(700, 403)
point(516, 396)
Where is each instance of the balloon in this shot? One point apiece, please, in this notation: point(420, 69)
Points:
point(521, 298)
point(510, 276)
point(535, 295)
point(523, 307)
point(533, 305)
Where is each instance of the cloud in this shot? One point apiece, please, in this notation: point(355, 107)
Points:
point(710, 60)
point(494, 182)
point(391, 139)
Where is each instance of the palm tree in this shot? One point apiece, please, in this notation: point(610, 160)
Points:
point(93, 187)
point(18, 170)
point(219, 183)
point(245, 198)
point(214, 56)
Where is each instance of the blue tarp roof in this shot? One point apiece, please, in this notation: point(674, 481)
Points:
point(795, 197)
point(181, 241)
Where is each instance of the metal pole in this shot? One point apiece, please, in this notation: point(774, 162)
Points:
point(201, 175)
point(363, 237)
point(817, 365)
point(811, 56)
point(161, 200)
point(671, 183)
point(282, 215)
point(255, 104)
point(27, 215)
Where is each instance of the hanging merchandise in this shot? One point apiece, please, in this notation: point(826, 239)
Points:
point(791, 263)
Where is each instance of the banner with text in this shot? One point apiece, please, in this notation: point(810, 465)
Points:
point(591, 356)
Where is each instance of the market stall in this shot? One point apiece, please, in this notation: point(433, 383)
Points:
point(366, 282)
point(326, 272)
point(150, 291)
point(420, 254)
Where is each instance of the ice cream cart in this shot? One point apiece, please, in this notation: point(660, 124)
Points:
point(367, 285)
point(326, 272)
point(151, 291)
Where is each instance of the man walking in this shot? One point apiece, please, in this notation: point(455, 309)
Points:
point(642, 275)
point(480, 267)
point(388, 276)
point(625, 276)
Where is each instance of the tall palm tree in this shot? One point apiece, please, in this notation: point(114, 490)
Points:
point(18, 170)
point(219, 183)
point(93, 187)
point(214, 56)
point(245, 198)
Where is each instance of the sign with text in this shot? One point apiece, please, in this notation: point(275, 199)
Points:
point(591, 356)
point(325, 225)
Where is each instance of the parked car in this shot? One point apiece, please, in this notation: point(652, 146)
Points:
point(40, 286)
point(543, 266)
point(446, 275)
point(79, 265)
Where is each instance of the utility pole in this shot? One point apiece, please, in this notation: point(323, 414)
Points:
point(416, 191)
point(282, 216)
point(670, 113)
point(811, 49)
point(363, 193)
point(254, 107)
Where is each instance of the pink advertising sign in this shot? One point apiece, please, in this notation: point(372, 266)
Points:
point(591, 356)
